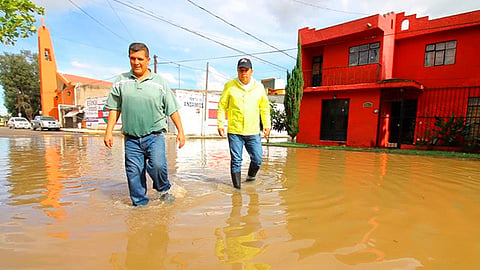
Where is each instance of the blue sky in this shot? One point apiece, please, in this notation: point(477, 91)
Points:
point(91, 37)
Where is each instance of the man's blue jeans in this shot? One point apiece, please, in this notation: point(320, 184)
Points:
point(252, 144)
point(145, 154)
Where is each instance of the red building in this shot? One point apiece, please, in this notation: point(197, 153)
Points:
point(382, 80)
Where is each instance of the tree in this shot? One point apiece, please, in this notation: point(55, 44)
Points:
point(17, 19)
point(20, 79)
point(278, 117)
point(293, 96)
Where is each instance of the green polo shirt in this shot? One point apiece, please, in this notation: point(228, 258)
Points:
point(144, 105)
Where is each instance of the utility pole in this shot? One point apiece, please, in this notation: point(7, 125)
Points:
point(154, 63)
point(205, 102)
point(18, 103)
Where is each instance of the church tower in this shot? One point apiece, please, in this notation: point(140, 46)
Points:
point(48, 73)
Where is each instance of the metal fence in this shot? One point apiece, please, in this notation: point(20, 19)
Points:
point(452, 108)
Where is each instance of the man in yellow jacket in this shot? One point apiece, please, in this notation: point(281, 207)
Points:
point(245, 101)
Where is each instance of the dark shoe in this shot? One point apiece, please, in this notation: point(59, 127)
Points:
point(237, 179)
point(167, 197)
point(252, 173)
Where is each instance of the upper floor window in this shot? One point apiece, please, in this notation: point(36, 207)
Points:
point(441, 53)
point(405, 25)
point(317, 71)
point(364, 54)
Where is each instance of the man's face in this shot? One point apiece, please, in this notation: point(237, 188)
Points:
point(139, 63)
point(245, 74)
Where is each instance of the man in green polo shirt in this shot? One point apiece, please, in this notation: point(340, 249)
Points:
point(144, 101)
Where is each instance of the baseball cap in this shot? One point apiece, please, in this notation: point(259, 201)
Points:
point(245, 63)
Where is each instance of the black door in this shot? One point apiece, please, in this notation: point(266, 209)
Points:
point(402, 124)
point(334, 120)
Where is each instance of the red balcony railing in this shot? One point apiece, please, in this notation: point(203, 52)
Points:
point(345, 75)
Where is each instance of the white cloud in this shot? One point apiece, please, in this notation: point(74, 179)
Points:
point(76, 64)
point(216, 80)
point(170, 78)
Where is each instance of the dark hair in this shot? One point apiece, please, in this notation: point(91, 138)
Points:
point(138, 46)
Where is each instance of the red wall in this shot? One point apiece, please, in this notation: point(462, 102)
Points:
point(410, 55)
point(309, 121)
point(362, 122)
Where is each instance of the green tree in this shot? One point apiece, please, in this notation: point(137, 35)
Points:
point(17, 19)
point(20, 79)
point(278, 117)
point(293, 96)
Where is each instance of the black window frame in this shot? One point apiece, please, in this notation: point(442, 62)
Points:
point(440, 53)
point(364, 54)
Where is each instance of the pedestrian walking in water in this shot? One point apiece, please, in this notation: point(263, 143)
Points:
point(243, 99)
point(145, 101)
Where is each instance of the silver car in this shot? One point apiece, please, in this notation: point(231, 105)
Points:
point(18, 122)
point(45, 122)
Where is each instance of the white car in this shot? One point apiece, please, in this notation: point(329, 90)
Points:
point(45, 122)
point(18, 122)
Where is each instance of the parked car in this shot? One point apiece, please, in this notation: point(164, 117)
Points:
point(45, 122)
point(18, 122)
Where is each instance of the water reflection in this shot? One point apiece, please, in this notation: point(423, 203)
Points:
point(64, 199)
point(242, 239)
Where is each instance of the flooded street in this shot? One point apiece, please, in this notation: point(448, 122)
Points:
point(64, 204)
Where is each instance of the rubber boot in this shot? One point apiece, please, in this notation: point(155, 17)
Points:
point(237, 179)
point(252, 172)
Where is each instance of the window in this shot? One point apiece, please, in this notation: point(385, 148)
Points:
point(473, 117)
point(405, 25)
point(317, 71)
point(47, 55)
point(442, 53)
point(364, 54)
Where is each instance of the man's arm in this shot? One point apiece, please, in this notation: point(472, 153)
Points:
point(178, 124)
point(113, 116)
point(265, 115)
point(221, 108)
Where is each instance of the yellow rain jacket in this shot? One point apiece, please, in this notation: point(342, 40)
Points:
point(244, 105)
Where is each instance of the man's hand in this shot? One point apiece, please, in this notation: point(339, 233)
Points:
point(221, 132)
point(113, 116)
point(108, 139)
point(266, 132)
point(180, 140)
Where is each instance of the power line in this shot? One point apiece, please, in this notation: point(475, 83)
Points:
point(229, 56)
point(97, 21)
point(157, 17)
point(120, 20)
point(184, 66)
point(238, 28)
point(329, 9)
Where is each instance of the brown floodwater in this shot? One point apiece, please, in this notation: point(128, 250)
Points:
point(64, 205)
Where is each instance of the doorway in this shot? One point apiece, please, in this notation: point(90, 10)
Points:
point(402, 125)
point(334, 123)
